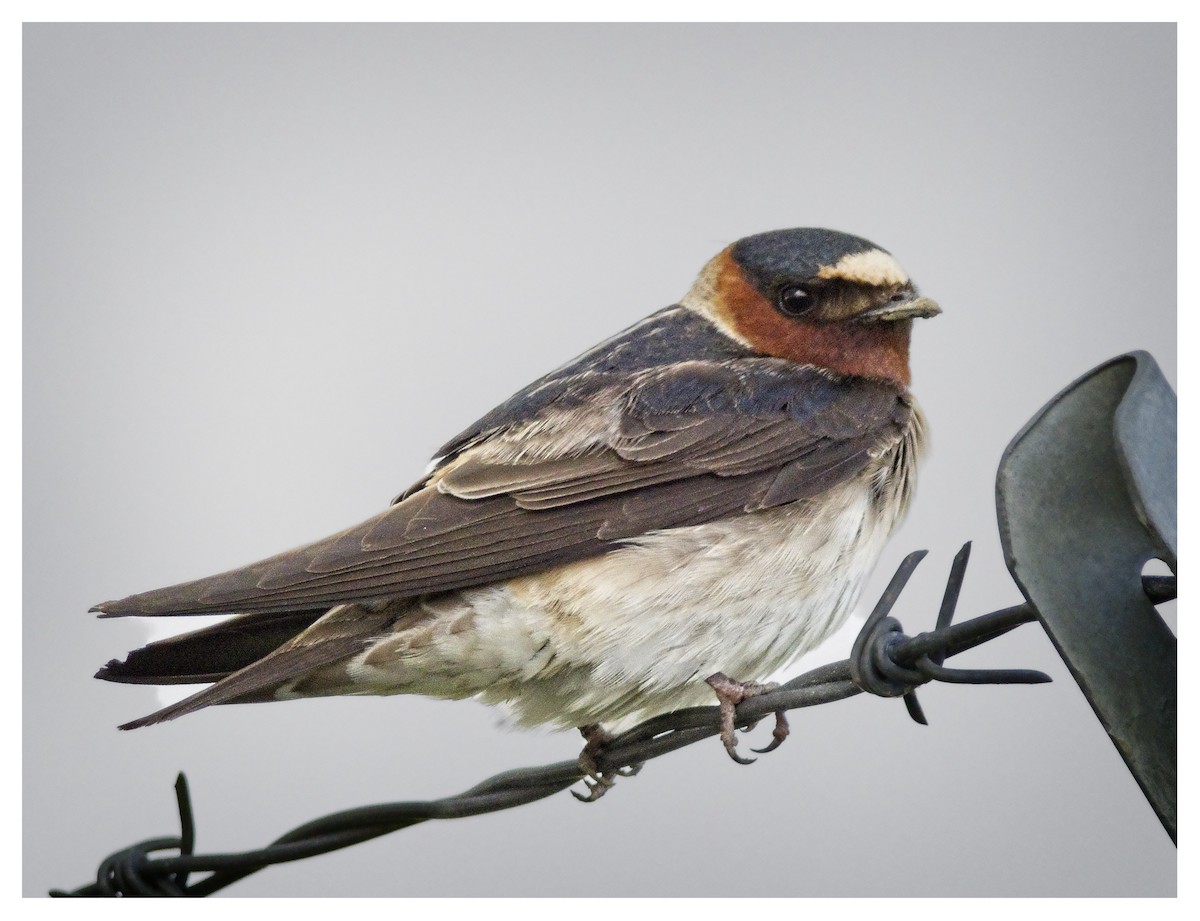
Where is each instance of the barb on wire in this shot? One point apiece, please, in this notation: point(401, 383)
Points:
point(883, 662)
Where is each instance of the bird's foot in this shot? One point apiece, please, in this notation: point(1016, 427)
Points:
point(597, 782)
point(596, 788)
point(730, 693)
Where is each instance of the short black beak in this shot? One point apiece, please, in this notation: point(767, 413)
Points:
point(907, 309)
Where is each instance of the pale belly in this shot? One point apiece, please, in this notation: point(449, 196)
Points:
point(634, 633)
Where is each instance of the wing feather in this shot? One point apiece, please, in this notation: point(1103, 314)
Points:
point(662, 448)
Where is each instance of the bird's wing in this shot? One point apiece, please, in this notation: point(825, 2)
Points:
point(608, 459)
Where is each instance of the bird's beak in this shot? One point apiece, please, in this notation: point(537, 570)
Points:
point(901, 310)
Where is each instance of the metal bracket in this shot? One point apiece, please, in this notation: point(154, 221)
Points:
point(1085, 496)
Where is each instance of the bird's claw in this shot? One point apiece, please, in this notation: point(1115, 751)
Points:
point(597, 781)
point(781, 732)
point(732, 752)
point(597, 786)
point(730, 693)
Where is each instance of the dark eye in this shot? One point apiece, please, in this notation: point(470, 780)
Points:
point(795, 300)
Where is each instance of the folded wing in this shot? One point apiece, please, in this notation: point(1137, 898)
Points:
point(606, 461)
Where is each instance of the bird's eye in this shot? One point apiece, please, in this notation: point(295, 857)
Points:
point(795, 300)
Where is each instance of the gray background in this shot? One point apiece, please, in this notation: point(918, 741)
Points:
point(268, 269)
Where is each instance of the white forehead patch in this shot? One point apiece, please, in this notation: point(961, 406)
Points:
point(873, 267)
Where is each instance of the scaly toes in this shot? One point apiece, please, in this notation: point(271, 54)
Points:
point(595, 738)
point(596, 788)
point(597, 781)
point(780, 733)
point(730, 693)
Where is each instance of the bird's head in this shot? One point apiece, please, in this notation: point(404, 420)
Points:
point(816, 297)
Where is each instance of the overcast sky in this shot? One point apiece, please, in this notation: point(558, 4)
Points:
point(269, 269)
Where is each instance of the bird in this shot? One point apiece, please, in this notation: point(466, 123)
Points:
point(677, 513)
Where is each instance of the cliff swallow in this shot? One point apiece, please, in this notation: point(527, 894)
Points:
point(701, 496)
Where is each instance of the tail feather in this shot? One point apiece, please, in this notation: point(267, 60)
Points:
point(211, 653)
point(251, 656)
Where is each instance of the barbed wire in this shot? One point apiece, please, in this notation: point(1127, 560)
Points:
point(883, 661)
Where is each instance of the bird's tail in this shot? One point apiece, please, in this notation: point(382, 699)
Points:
point(211, 653)
point(251, 656)
point(217, 655)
